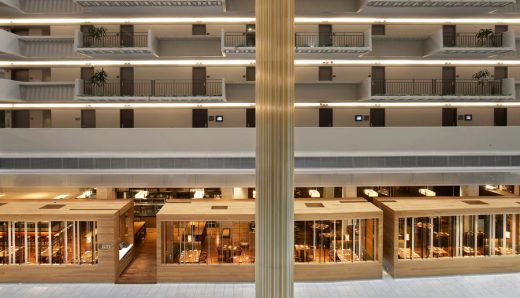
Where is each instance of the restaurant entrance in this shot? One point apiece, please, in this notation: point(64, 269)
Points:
point(143, 269)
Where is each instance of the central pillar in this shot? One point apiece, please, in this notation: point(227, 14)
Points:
point(274, 148)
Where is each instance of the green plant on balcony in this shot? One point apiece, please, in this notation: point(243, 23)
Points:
point(99, 77)
point(484, 36)
point(97, 32)
point(482, 78)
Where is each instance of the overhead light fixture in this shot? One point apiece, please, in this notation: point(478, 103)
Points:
point(370, 192)
point(2, 195)
point(85, 195)
point(199, 194)
point(314, 193)
point(491, 187)
point(142, 194)
point(59, 197)
point(427, 193)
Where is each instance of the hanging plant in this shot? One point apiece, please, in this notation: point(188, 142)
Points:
point(97, 32)
point(99, 77)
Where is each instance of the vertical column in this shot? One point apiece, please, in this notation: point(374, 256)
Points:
point(274, 147)
point(469, 190)
point(105, 193)
point(350, 191)
point(227, 193)
point(516, 190)
point(328, 193)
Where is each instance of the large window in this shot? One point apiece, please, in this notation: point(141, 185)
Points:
point(48, 242)
point(335, 241)
point(208, 242)
point(458, 236)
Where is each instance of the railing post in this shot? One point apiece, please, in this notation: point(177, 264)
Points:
point(152, 88)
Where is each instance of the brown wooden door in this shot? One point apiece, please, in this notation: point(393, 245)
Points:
point(449, 35)
point(86, 77)
point(126, 33)
point(500, 116)
point(126, 118)
point(88, 118)
point(2, 119)
point(126, 79)
point(20, 119)
point(326, 117)
point(500, 72)
point(325, 32)
point(449, 117)
point(250, 118)
point(250, 73)
point(21, 75)
point(325, 73)
point(448, 81)
point(198, 29)
point(378, 80)
point(199, 81)
point(199, 118)
point(377, 117)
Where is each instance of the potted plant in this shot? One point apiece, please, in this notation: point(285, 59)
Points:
point(94, 34)
point(481, 77)
point(99, 77)
point(484, 36)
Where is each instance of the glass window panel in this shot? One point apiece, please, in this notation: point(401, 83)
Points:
point(509, 249)
point(4, 243)
point(58, 242)
point(483, 235)
point(401, 239)
point(468, 236)
point(87, 242)
point(30, 242)
point(444, 235)
point(43, 242)
point(422, 237)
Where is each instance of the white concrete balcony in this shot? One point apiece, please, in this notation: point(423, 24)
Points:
point(438, 3)
point(438, 90)
point(307, 44)
point(440, 44)
point(209, 90)
point(14, 91)
point(37, 46)
point(137, 3)
point(116, 45)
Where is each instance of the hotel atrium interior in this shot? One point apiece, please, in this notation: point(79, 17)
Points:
point(277, 148)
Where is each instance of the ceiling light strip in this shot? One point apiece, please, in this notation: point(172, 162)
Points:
point(226, 20)
point(249, 105)
point(244, 62)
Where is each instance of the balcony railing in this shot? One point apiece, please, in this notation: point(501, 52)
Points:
point(470, 40)
point(239, 39)
point(154, 88)
point(436, 88)
point(337, 39)
point(116, 40)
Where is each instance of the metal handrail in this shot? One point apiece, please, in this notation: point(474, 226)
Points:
point(116, 40)
point(302, 39)
point(436, 87)
point(470, 40)
point(155, 88)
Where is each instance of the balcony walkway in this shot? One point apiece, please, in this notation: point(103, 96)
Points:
point(492, 285)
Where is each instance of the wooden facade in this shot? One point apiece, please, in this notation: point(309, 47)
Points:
point(464, 261)
point(113, 221)
point(244, 210)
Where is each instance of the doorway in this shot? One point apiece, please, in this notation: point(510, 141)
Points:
point(250, 118)
point(143, 269)
point(126, 33)
point(199, 81)
point(449, 35)
point(199, 118)
point(377, 117)
point(88, 118)
point(250, 35)
point(326, 117)
point(448, 81)
point(126, 118)
point(126, 79)
point(378, 80)
point(20, 119)
point(325, 33)
point(449, 117)
point(500, 116)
